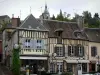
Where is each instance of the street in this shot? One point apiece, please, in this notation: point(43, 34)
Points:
point(1, 72)
point(4, 70)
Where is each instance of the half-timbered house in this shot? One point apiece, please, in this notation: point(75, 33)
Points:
point(69, 43)
point(93, 35)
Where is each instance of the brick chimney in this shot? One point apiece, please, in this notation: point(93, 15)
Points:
point(15, 21)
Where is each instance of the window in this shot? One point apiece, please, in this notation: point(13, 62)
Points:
point(38, 47)
point(52, 68)
point(59, 67)
point(84, 67)
point(69, 67)
point(59, 33)
point(70, 50)
point(79, 50)
point(59, 51)
point(38, 41)
point(27, 41)
point(93, 51)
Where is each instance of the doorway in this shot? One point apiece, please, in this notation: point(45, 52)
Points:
point(59, 67)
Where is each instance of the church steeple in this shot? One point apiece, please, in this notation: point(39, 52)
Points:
point(45, 6)
point(46, 14)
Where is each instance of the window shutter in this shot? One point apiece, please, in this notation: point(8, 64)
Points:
point(95, 51)
point(63, 50)
point(82, 50)
point(23, 42)
point(35, 44)
point(69, 50)
point(55, 50)
point(76, 51)
point(42, 44)
point(92, 51)
point(73, 50)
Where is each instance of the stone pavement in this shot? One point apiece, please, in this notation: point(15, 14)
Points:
point(1, 72)
point(4, 70)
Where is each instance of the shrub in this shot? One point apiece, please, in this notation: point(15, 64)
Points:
point(67, 73)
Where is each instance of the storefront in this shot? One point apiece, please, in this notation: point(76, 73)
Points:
point(72, 65)
point(34, 64)
point(92, 66)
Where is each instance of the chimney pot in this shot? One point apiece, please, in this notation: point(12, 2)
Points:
point(12, 15)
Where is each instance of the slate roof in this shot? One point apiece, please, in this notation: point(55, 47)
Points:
point(93, 34)
point(70, 29)
point(4, 16)
point(32, 23)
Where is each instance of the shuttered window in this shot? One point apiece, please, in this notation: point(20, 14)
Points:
point(79, 51)
point(60, 51)
point(70, 50)
point(93, 51)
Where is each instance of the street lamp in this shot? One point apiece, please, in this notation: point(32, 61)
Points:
point(52, 55)
point(98, 57)
point(16, 46)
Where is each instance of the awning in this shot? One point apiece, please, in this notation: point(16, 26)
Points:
point(34, 58)
point(77, 61)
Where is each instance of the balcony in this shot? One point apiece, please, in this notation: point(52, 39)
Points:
point(33, 52)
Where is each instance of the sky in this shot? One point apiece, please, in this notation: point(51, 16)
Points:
point(22, 8)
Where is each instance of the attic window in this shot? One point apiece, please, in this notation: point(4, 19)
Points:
point(59, 33)
point(77, 34)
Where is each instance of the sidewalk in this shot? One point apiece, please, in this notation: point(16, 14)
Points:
point(5, 70)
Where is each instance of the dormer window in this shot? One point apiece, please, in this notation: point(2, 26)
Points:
point(59, 33)
point(77, 34)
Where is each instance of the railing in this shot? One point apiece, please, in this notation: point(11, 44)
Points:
point(33, 52)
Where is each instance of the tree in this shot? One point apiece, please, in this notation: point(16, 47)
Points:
point(87, 17)
point(60, 16)
point(53, 17)
point(16, 62)
point(3, 24)
point(74, 19)
point(96, 15)
point(95, 21)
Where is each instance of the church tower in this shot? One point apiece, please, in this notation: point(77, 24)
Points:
point(45, 14)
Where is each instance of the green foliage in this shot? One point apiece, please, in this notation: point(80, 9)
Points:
point(92, 22)
point(3, 25)
point(89, 21)
point(53, 17)
point(61, 17)
point(16, 62)
point(67, 73)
